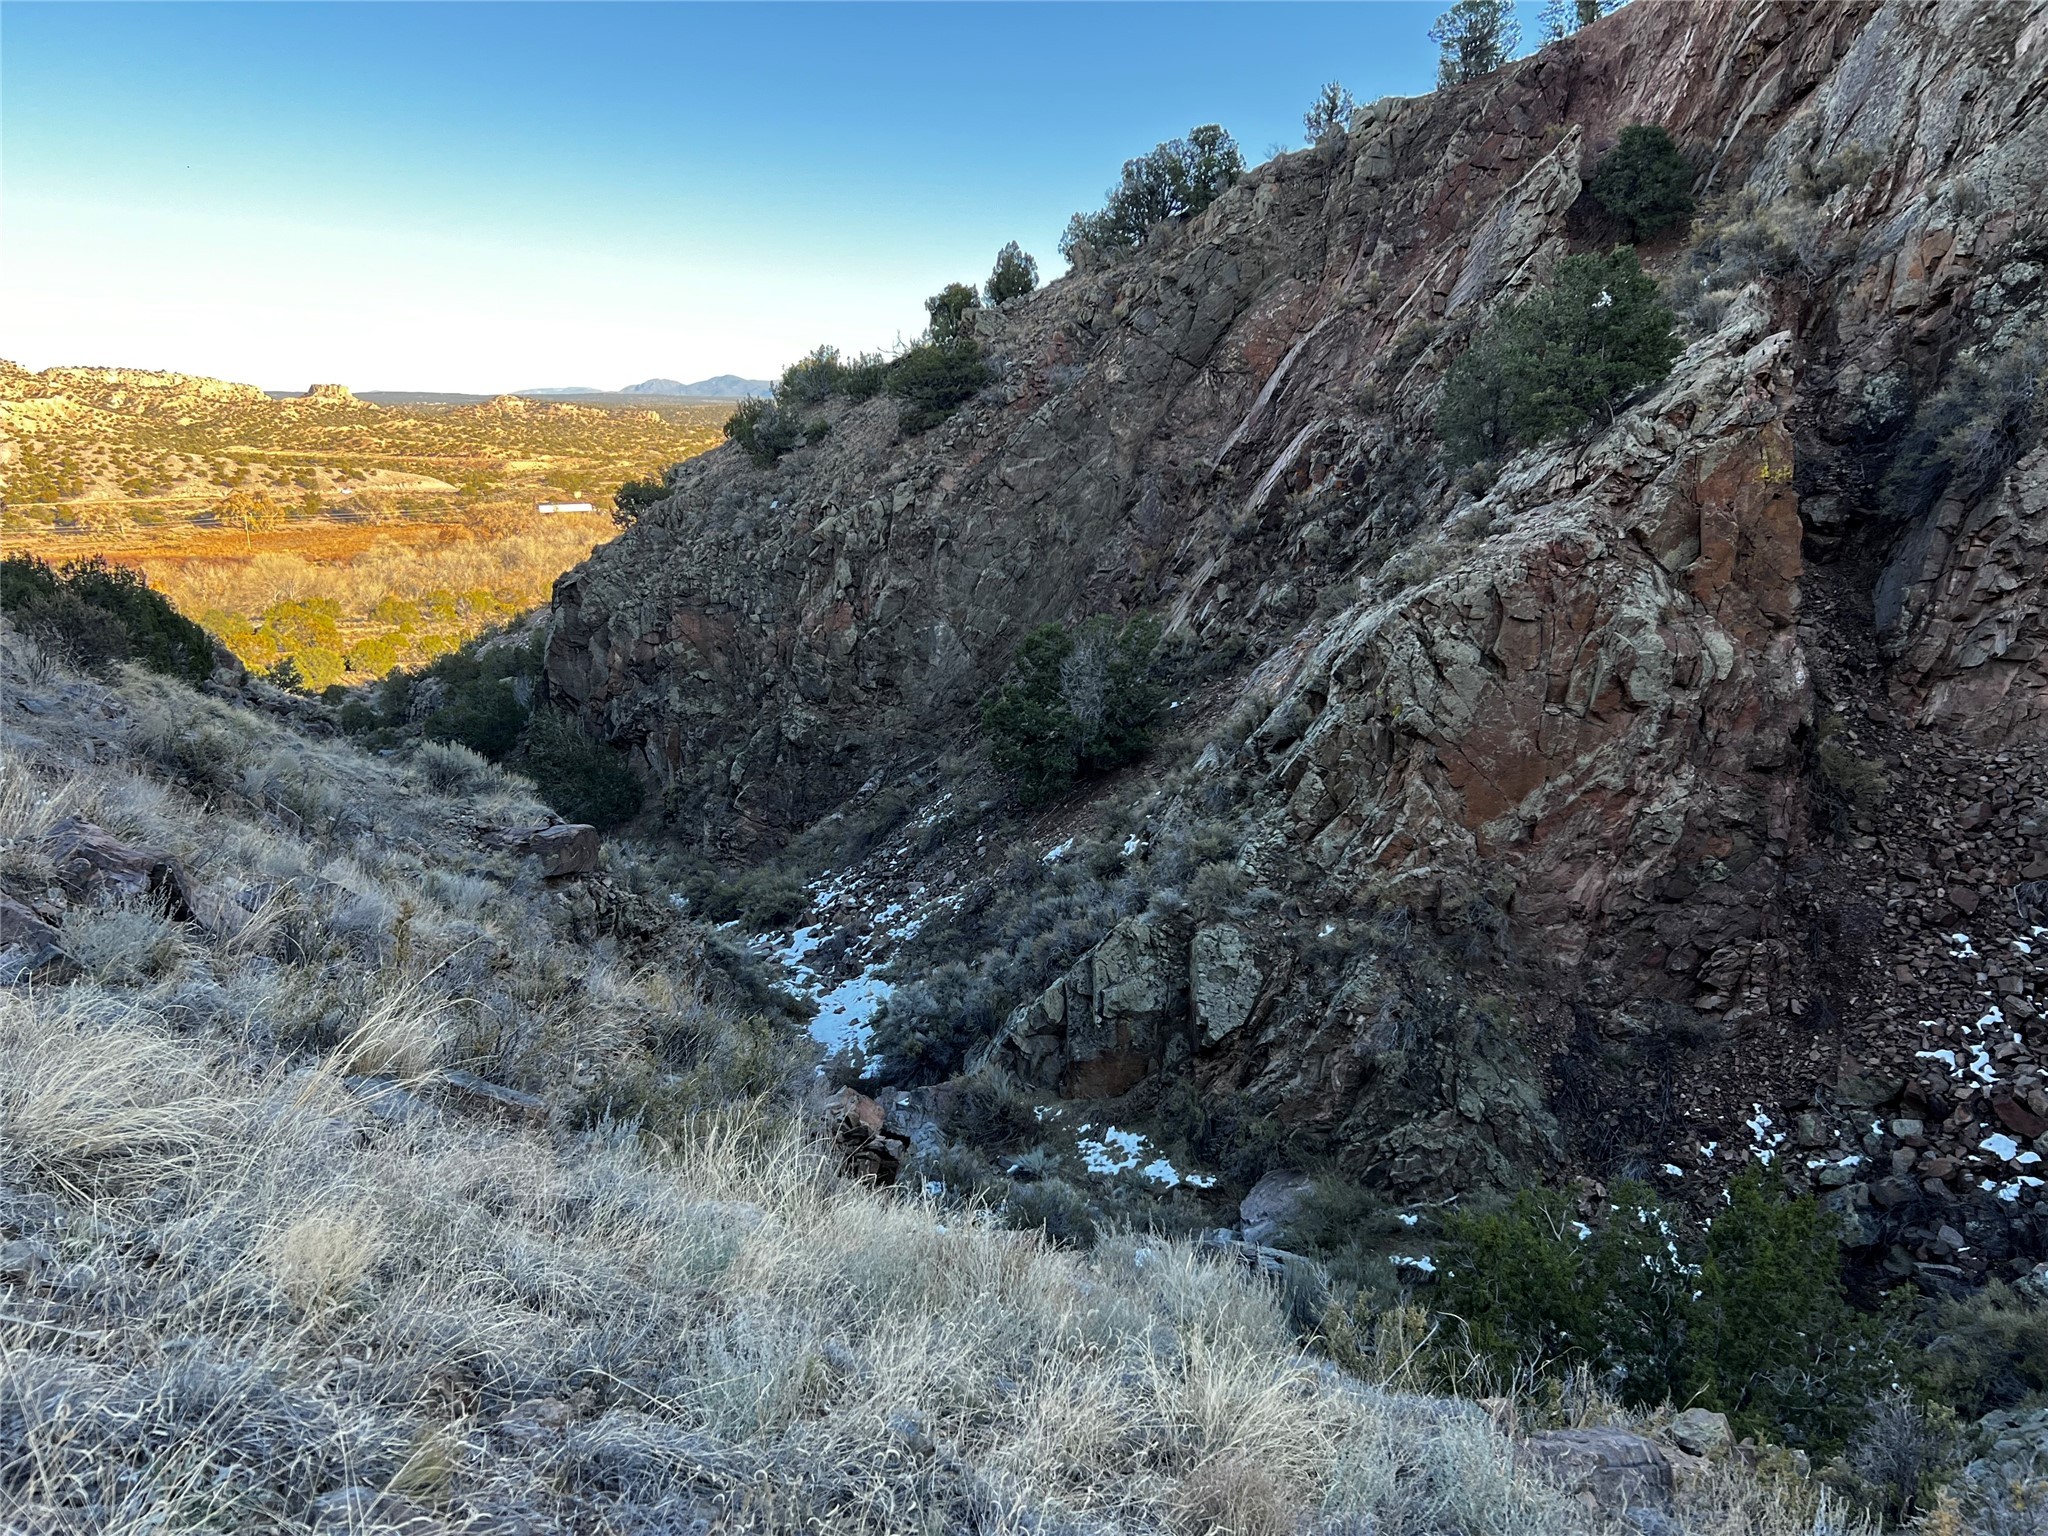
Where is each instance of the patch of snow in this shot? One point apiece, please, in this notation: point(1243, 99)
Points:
point(1132, 845)
point(1117, 1151)
point(1416, 1261)
point(846, 1013)
point(1059, 851)
point(2000, 1146)
point(1408, 1218)
point(1945, 1057)
point(1674, 1170)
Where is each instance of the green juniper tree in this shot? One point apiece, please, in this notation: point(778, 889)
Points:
point(1015, 274)
point(1563, 357)
point(948, 311)
point(1474, 38)
point(1561, 18)
point(1178, 179)
point(1075, 702)
point(1645, 181)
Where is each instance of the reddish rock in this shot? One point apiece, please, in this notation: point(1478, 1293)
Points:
point(93, 864)
point(858, 1127)
point(568, 849)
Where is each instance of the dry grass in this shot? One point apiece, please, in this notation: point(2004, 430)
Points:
point(518, 566)
point(274, 1268)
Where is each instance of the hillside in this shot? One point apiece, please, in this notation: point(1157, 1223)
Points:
point(1650, 802)
point(119, 443)
point(348, 536)
point(359, 1174)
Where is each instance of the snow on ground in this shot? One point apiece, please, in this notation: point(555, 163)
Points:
point(1118, 1151)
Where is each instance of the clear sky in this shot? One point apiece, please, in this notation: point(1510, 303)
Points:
point(486, 197)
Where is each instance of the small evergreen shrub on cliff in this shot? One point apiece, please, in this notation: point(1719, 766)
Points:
point(935, 380)
point(1076, 701)
point(810, 379)
point(1178, 179)
point(763, 430)
point(634, 497)
point(1645, 181)
point(1015, 274)
point(1563, 357)
point(98, 614)
point(947, 311)
point(580, 776)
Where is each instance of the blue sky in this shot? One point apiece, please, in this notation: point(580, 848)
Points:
point(486, 197)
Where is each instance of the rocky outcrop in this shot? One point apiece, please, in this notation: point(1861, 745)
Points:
point(1581, 696)
point(1121, 1014)
point(1962, 611)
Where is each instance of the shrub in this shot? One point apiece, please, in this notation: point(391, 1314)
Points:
point(99, 614)
point(810, 379)
point(451, 768)
point(948, 309)
point(866, 376)
point(1015, 274)
point(482, 714)
point(1564, 356)
point(761, 899)
point(580, 776)
point(1772, 1340)
point(763, 431)
point(1986, 416)
point(1536, 1288)
point(634, 497)
point(1751, 1320)
point(1987, 1351)
point(1474, 38)
point(1178, 179)
point(1645, 181)
point(1074, 702)
point(935, 380)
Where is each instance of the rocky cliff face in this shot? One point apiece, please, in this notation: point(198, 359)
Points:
point(1585, 694)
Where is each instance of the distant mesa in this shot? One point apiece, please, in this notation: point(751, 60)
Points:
point(334, 394)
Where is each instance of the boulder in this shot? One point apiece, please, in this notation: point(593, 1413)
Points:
point(858, 1127)
point(1304, 1284)
point(27, 943)
point(1615, 1471)
point(1271, 1202)
point(93, 864)
point(1701, 1432)
point(1120, 1014)
point(568, 849)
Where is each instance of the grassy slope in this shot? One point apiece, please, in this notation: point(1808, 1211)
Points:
point(255, 1254)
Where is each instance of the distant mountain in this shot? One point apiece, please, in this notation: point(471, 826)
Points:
point(724, 387)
